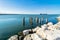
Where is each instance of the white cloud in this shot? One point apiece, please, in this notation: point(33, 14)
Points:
point(29, 12)
point(6, 10)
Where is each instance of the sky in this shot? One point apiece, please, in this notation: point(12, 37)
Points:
point(29, 6)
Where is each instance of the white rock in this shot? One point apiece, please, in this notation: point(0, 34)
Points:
point(26, 32)
point(52, 35)
point(51, 27)
point(35, 37)
point(15, 37)
point(58, 18)
point(35, 29)
point(56, 35)
point(55, 26)
point(44, 26)
point(32, 37)
point(49, 24)
point(58, 23)
point(41, 33)
point(49, 35)
point(28, 37)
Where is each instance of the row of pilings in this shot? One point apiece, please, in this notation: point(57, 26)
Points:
point(39, 21)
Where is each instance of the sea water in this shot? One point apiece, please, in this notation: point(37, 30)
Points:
point(12, 24)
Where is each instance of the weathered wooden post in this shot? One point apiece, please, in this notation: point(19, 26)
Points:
point(23, 22)
point(46, 18)
point(37, 20)
point(42, 18)
point(31, 21)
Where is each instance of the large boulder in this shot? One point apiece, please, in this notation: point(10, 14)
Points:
point(51, 27)
point(49, 34)
point(28, 37)
point(52, 35)
point(58, 18)
point(55, 26)
point(15, 37)
point(41, 33)
point(56, 35)
point(49, 24)
point(35, 29)
point(26, 32)
point(58, 23)
point(35, 37)
point(44, 27)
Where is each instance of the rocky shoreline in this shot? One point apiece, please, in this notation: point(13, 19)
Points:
point(47, 31)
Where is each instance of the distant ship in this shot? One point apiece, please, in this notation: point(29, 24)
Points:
point(42, 14)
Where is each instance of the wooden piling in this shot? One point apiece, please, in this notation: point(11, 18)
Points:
point(37, 20)
point(31, 21)
point(23, 21)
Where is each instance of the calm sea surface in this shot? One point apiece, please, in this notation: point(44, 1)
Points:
point(12, 24)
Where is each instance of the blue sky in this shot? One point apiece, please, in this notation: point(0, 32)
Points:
point(30, 6)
